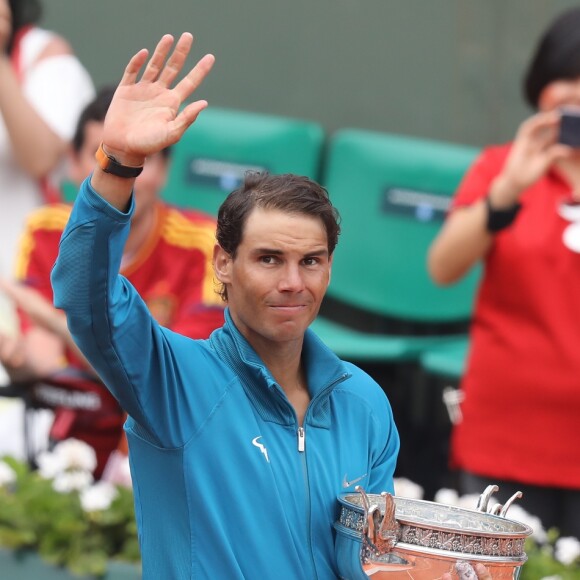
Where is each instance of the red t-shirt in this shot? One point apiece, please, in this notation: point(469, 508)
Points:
point(172, 272)
point(522, 383)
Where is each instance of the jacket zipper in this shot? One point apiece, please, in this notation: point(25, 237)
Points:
point(302, 451)
point(301, 440)
point(301, 435)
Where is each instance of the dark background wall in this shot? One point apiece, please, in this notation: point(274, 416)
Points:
point(442, 69)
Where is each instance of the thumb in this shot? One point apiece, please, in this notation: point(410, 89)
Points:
point(482, 572)
point(558, 152)
point(186, 118)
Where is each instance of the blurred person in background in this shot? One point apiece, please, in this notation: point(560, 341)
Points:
point(167, 258)
point(514, 211)
point(43, 89)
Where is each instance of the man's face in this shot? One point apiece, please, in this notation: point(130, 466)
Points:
point(279, 276)
point(147, 186)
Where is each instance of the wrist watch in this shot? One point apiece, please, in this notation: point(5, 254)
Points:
point(110, 165)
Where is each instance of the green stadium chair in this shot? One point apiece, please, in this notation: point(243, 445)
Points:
point(392, 193)
point(211, 158)
point(69, 191)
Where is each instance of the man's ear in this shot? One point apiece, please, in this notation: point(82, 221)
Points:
point(222, 262)
point(330, 270)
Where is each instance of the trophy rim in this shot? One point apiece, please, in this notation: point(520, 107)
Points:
point(421, 522)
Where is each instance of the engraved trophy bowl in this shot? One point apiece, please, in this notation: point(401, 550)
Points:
point(383, 537)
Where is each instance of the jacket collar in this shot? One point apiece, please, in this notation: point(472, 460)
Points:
point(323, 371)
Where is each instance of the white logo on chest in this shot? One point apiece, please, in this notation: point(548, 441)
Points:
point(261, 447)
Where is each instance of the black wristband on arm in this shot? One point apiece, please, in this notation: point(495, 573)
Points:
point(499, 219)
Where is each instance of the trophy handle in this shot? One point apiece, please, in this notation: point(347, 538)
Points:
point(379, 536)
point(485, 497)
point(497, 509)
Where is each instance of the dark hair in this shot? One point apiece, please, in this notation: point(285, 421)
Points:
point(288, 192)
point(23, 12)
point(96, 111)
point(557, 55)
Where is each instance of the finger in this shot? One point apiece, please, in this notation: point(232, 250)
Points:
point(482, 572)
point(543, 138)
point(194, 78)
point(543, 121)
point(157, 61)
point(185, 119)
point(176, 60)
point(465, 571)
point(559, 152)
point(132, 69)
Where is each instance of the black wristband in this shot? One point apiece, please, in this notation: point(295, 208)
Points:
point(499, 219)
point(110, 165)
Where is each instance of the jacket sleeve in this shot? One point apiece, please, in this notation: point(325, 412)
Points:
point(133, 355)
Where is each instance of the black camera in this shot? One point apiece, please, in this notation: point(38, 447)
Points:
point(570, 127)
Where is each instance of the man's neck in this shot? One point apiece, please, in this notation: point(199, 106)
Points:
point(284, 361)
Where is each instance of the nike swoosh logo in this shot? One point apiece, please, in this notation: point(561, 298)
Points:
point(346, 483)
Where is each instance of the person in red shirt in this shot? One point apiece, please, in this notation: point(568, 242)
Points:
point(167, 258)
point(514, 211)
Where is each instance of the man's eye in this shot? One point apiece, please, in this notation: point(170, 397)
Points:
point(267, 259)
point(310, 261)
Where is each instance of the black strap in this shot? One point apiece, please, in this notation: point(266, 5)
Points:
point(499, 219)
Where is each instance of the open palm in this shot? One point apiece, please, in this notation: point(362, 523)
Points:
point(144, 116)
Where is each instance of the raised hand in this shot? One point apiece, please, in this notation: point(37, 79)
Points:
point(534, 150)
point(144, 116)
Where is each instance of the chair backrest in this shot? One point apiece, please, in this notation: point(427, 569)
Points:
point(212, 156)
point(69, 191)
point(393, 193)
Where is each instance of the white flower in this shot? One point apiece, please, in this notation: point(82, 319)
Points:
point(49, 465)
point(567, 550)
point(551, 577)
point(72, 481)
point(446, 497)
point(68, 455)
point(98, 497)
point(7, 474)
point(406, 488)
point(76, 454)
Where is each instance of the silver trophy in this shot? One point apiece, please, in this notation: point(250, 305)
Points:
point(390, 538)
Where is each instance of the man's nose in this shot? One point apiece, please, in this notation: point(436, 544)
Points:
point(291, 279)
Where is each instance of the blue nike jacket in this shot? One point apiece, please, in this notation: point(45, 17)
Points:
point(226, 483)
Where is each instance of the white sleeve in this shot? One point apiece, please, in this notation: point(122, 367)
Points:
point(59, 88)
